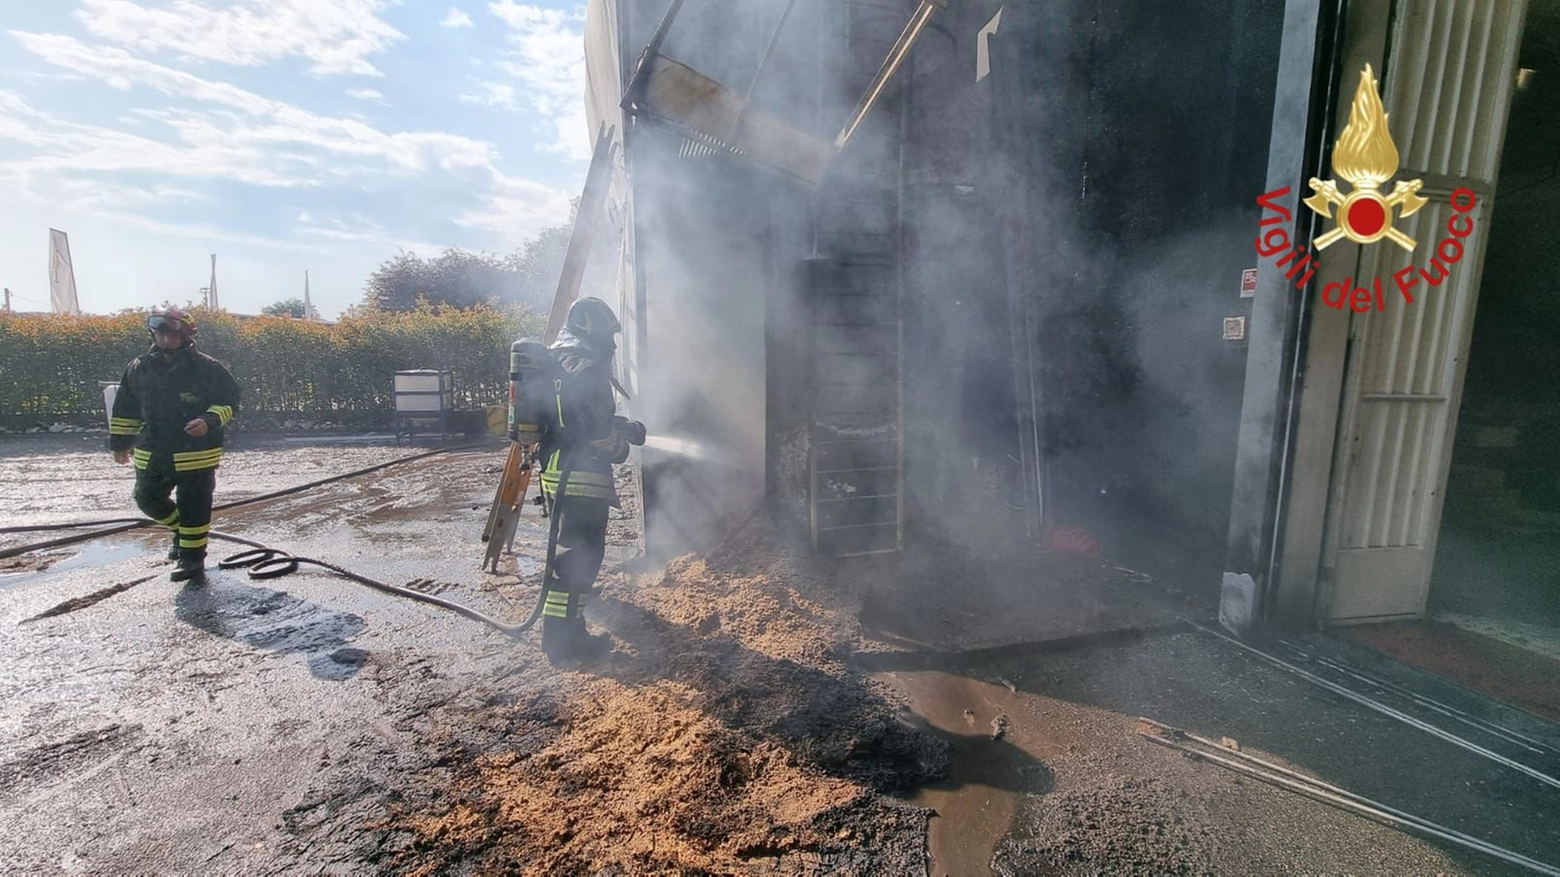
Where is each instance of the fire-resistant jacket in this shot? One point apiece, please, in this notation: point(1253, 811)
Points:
point(588, 442)
point(160, 392)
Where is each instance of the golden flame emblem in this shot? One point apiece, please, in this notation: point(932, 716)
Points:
point(1366, 156)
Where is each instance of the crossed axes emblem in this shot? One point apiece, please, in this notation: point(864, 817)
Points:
point(1405, 195)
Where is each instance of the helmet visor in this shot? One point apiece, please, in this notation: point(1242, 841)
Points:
point(160, 323)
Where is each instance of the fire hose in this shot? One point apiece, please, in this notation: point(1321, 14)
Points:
point(265, 562)
point(127, 524)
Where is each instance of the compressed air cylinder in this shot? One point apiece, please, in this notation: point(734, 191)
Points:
point(530, 390)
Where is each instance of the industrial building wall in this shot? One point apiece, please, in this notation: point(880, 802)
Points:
point(1143, 130)
point(1103, 177)
point(711, 239)
point(707, 267)
point(963, 488)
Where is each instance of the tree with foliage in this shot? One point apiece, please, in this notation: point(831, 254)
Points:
point(527, 277)
point(287, 307)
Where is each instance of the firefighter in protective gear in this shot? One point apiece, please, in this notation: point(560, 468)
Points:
point(579, 449)
point(168, 417)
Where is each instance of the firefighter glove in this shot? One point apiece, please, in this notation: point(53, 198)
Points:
point(633, 431)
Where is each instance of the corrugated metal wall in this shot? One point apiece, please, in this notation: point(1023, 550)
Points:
point(1446, 92)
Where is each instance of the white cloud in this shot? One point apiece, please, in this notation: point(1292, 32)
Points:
point(358, 228)
point(245, 136)
point(174, 140)
point(547, 63)
point(367, 94)
point(337, 36)
point(208, 233)
point(515, 209)
point(492, 94)
point(456, 18)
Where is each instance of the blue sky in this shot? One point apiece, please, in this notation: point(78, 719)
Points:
point(282, 135)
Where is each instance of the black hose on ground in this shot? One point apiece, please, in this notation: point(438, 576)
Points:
point(127, 524)
point(265, 562)
point(69, 525)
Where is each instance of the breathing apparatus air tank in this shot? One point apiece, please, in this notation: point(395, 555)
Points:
point(532, 393)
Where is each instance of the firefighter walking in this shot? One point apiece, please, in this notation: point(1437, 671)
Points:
point(581, 441)
point(169, 416)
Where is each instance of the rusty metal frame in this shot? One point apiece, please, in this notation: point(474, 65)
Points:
point(672, 91)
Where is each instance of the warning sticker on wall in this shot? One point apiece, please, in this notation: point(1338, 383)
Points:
point(1248, 283)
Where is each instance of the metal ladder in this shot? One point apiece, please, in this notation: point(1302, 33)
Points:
point(856, 460)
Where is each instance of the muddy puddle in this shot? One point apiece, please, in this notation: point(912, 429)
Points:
point(995, 762)
point(43, 567)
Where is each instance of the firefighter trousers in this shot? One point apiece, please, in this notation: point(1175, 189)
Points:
point(581, 546)
point(189, 515)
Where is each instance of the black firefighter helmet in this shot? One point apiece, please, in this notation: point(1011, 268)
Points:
point(591, 320)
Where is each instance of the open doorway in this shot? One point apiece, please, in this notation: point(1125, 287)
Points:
point(1498, 558)
point(1494, 592)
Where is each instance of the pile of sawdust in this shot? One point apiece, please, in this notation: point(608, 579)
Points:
point(722, 735)
point(772, 599)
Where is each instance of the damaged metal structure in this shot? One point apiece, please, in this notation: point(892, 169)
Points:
point(902, 272)
point(966, 281)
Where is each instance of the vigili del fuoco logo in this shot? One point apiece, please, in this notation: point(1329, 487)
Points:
point(1367, 159)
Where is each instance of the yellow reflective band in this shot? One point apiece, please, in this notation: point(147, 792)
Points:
point(194, 531)
point(224, 413)
point(605, 493)
point(170, 520)
point(558, 394)
point(202, 542)
point(575, 484)
point(196, 455)
point(187, 461)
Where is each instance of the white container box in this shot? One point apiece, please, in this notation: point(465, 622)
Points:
point(423, 391)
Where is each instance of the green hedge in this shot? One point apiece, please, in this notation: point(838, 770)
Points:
point(50, 365)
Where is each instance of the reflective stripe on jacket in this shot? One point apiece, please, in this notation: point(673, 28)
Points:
point(587, 443)
point(159, 394)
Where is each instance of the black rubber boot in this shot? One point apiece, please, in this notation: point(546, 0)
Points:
point(566, 641)
point(191, 568)
point(173, 550)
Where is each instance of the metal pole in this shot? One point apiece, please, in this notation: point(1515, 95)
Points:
point(636, 82)
point(896, 56)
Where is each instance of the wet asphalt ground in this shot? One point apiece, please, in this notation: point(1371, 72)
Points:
point(271, 726)
point(239, 726)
